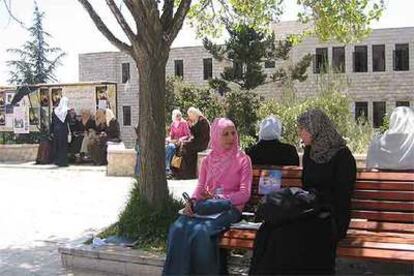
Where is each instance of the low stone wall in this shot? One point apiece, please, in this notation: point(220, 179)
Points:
point(121, 162)
point(18, 153)
point(115, 260)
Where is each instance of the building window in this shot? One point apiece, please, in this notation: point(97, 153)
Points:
point(179, 68)
point(270, 64)
point(208, 68)
point(378, 58)
point(338, 59)
point(379, 113)
point(238, 69)
point(320, 60)
point(361, 110)
point(402, 103)
point(126, 115)
point(401, 57)
point(360, 59)
point(125, 72)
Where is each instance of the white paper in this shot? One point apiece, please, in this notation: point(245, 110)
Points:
point(102, 104)
point(212, 216)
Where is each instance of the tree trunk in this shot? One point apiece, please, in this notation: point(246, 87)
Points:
point(152, 180)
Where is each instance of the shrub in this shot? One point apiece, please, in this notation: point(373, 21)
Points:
point(182, 95)
point(241, 107)
point(335, 105)
point(146, 224)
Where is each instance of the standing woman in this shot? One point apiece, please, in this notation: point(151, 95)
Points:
point(226, 175)
point(308, 245)
point(60, 130)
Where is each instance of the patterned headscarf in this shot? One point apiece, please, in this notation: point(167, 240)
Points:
point(326, 141)
point(219, 158)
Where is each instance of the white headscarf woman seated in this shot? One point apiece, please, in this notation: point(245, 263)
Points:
point(394, 150)
point(269, 150)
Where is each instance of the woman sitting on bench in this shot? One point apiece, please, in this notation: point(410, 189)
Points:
point(394, 150)
point(308, 245)
point(269, 150)
point(224, 185)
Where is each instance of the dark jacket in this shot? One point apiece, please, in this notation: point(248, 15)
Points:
point(308, 246)
point(273, 152)
point(189, 149)
point(113, 132)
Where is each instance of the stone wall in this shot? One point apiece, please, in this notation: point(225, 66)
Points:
point(389, 86)
point(18, 153)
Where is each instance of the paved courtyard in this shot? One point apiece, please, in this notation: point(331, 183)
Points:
point(42, 208)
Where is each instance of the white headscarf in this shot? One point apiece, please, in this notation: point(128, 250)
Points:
point(175, 114)
point(62, 109)
point(109, 115)
point(270, 129)
point(394, 149)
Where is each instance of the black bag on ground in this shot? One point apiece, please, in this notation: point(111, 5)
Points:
point(45, 152)
point(286, 205)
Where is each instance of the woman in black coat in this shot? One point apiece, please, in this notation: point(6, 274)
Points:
point(269, 150)
point(60, 130)
point(308, 246)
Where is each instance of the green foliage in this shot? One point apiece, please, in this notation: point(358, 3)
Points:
point(182, 95)
point(241, 107)
point(344, 21)
point(385, 124)
point(246, 141)
point(209, 16)
point(332, 100)
point(247, 50)
point(37, 60)
point(145, 222)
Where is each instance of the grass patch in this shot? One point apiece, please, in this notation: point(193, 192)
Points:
point(144, 223)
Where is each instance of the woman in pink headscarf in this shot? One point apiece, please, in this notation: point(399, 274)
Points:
point(224, 186)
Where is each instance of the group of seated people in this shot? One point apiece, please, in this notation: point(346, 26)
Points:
point(90, 136)
point(301, 246)
point(186, 139)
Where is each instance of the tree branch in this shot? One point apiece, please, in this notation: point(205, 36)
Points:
point(103, 28)
point(167, 14)
point(177, 22)
point(9, 11)
point(121, 20)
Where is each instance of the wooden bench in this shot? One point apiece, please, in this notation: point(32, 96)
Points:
point(382, 224)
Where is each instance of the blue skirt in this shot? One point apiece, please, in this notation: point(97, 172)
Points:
point(193, 244)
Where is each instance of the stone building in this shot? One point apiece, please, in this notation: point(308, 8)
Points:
point(379, 72)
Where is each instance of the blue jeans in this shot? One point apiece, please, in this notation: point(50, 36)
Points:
point(193, 244)
point(169, 153)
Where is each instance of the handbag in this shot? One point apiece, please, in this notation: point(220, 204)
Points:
point(176, 161)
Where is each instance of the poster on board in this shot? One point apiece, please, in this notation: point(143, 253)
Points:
point(21, 117)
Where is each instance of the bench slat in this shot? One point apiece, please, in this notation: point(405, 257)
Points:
point(392, 176)
point(388, 237)
point(386, 195)
point(382, 205)
point(376, 254)
point(383, 216)
point(381, 226)
point(378, 245)
point(384, 185)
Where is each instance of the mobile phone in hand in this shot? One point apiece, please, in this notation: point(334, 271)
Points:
point(188, 199)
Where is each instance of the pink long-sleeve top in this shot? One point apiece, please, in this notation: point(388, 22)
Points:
point(236, 182)
point(179, 130)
